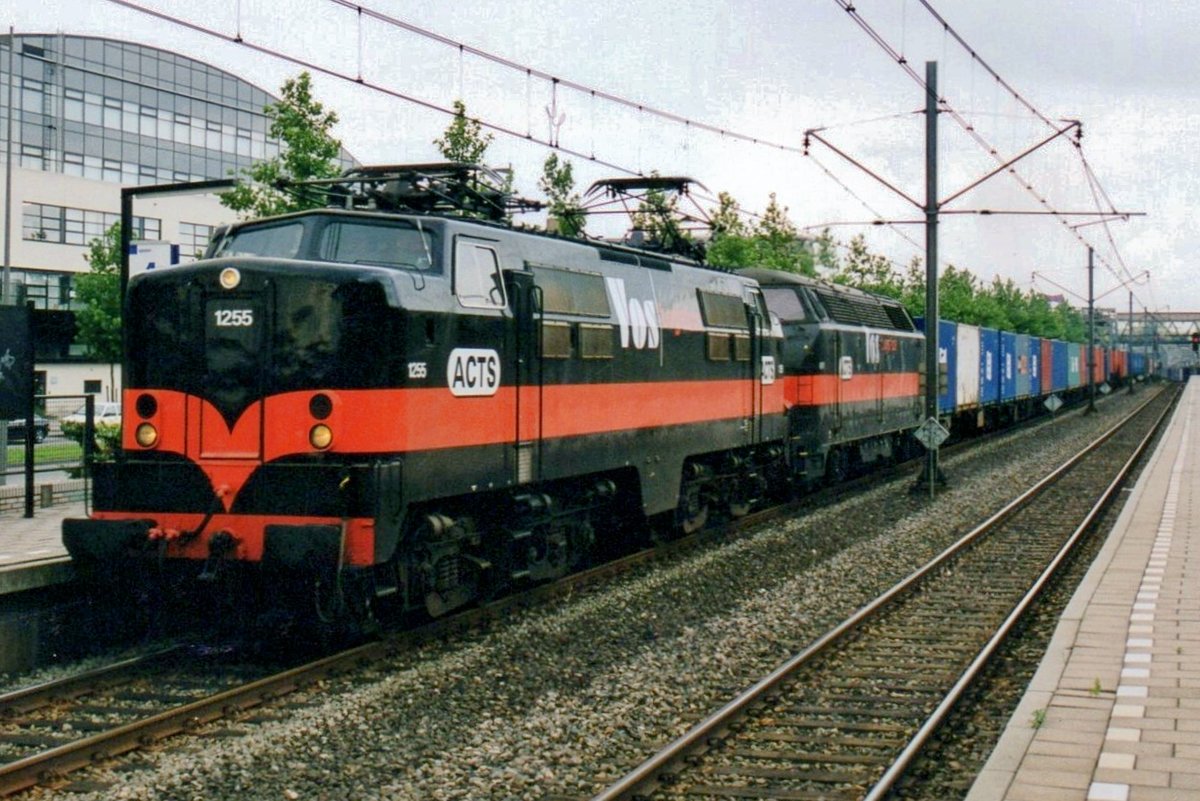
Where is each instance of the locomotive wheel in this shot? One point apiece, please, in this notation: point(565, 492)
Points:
point(740, 508)
point(344, 612)
point(837, 465)
point(693, 511)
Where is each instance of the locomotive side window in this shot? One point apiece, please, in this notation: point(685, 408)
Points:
point(282, 241)
point(477, 279)
point(723, 311)
point(788, 304)
point(570, 292)
point(390, 245)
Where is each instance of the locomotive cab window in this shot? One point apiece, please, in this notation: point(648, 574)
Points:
point(788, 304)
point(386, 245)
point(280, 241)
point(477, 279)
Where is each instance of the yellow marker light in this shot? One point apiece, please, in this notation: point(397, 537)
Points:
point(230, 278)
point(320, 436)
point(146, 435)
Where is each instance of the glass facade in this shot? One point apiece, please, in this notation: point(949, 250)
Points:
point(127, 113)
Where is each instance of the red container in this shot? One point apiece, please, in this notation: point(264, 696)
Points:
point(1047, 371)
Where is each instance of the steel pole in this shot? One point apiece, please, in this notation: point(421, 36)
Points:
point(932, 374)
point(1129, 345)
point(1091, 352)
point(6, 289)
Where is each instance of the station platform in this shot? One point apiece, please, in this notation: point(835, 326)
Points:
point(31, 550)
point(1113, 712)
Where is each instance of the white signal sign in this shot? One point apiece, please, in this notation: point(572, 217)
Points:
point(931, 434)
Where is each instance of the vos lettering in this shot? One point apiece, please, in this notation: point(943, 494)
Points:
point(637, 319)
point(473, 372)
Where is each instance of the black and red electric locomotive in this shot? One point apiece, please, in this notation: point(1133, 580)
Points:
point(390, 397)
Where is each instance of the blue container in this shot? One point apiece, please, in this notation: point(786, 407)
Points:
point(1010, 362)
point(989, 366)
point(1034, 373)
point(1058, 370)
point(947, 359)
point(1137, 363)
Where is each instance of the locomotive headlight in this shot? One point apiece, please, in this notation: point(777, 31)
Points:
point(146, 435)
point(230, 278)
point(320, 436)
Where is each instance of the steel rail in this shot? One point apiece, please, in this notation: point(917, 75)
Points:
point(938, 716)
point(15, 702)
point(55, 763)
point(647, 772)
point(42, 767)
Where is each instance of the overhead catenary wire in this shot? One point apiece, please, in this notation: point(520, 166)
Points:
point(1094, 182)
point(333, 73)
point(872, 33)
point(611, 97)
point(463, 48)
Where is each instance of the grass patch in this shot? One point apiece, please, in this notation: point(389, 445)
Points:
point(46, 454)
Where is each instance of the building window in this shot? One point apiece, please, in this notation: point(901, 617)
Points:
point(193, 239)
point(41, 222)
point(46, 289)
point(33, 157)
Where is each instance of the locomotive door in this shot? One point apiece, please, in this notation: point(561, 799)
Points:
point(525, 298)
point(757, 319)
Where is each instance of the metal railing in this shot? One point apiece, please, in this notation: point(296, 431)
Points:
point(47, 464)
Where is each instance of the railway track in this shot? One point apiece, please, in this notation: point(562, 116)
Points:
point(49, 731)
point(843, 719)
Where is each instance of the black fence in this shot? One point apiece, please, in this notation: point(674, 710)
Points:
point(45, 464)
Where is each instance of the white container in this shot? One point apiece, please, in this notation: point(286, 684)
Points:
point(966, 391)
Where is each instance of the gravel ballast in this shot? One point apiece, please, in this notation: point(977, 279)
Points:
point(557, 700)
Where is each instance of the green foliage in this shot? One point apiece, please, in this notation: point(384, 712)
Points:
point(566, 210)
point(98, 292)
point(308, 151)
point(961, 296)
point(870, 271)
point(464, 140)
point(108, 436)
point(772, 242)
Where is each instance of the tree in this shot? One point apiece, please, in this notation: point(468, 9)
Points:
point(308, 151)
point(464, 140)
point(98, 292)
point(773, 242)
point(557, 182)
point(870, 271)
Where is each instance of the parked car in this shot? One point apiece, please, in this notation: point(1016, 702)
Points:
point(16, 430)
point(106, 413)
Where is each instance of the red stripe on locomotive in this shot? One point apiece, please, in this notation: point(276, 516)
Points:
point(827, 390)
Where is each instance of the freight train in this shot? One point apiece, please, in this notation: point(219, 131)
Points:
point(403, 396)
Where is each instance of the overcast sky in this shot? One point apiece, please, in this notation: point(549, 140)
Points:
point(1126, 69)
